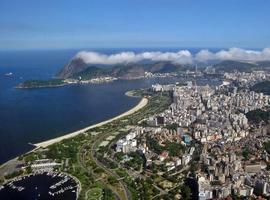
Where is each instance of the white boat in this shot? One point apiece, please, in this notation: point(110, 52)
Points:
point(9, 74)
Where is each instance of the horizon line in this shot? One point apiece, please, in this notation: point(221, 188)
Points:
point(129, 48)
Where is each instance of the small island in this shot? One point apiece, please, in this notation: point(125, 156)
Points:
point(41, 83)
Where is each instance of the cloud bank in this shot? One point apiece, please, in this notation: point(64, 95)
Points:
point(234, 54)
point(180, 57)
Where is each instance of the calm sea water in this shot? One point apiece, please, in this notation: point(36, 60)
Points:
point(35, 115)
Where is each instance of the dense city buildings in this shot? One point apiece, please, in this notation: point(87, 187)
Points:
point(211, 122)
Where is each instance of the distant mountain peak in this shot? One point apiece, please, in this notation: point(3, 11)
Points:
point(75, 66)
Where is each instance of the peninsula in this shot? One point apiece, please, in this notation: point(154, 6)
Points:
point(78, 72)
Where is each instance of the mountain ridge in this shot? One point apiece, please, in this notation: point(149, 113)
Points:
point(77, 68)
point(241, 66)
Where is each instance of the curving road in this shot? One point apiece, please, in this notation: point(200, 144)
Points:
point(109, 171)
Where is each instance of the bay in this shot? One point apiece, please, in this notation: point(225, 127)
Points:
point(35, 115)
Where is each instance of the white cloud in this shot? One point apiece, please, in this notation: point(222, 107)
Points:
point(181, 57)
point(234, 54)
point(204, 55)
point(89, 57)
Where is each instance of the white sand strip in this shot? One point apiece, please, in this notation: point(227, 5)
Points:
point(46, 143)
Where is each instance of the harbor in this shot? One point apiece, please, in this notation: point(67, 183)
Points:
point(41, 185)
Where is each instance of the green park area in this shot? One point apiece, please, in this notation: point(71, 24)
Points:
point(94, 194)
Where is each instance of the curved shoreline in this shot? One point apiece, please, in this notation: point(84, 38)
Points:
point(46, 143)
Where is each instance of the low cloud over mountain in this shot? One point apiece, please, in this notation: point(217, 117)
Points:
point(234, 54)
point(180, 57)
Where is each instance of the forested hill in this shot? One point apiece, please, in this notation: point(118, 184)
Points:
point(263, 87)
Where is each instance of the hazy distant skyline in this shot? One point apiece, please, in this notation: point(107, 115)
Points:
point(50, 24)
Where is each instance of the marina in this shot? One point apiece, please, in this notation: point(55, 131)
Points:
point(41, 185)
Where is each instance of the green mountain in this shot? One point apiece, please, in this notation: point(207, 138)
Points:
point(258, 116)
point(264, 65)
point(90, 72)
point(77, 68)
point(263, 87)
point(231, 66)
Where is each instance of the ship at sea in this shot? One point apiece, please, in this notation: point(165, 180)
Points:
point(9, 74)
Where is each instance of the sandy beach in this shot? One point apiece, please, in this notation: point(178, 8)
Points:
point(46, 143)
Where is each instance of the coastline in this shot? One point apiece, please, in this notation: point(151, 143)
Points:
point(141, 109)
point(46, 143)
point(6, 165)
point(130, 94)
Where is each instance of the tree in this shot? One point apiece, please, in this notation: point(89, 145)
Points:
point(245, 153)
point(112, 180)
point(154, 145)
point(174, 149)
point(185, 192)
point(107, 194)
point(267, 146)
point(14, 174)
point(28, 169)
point(258, 116)
point(193, 168)
point(173, 126)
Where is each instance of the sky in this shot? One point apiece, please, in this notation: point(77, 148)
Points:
point(67, 24)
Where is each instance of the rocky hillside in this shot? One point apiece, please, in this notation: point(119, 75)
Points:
point(74, 67)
